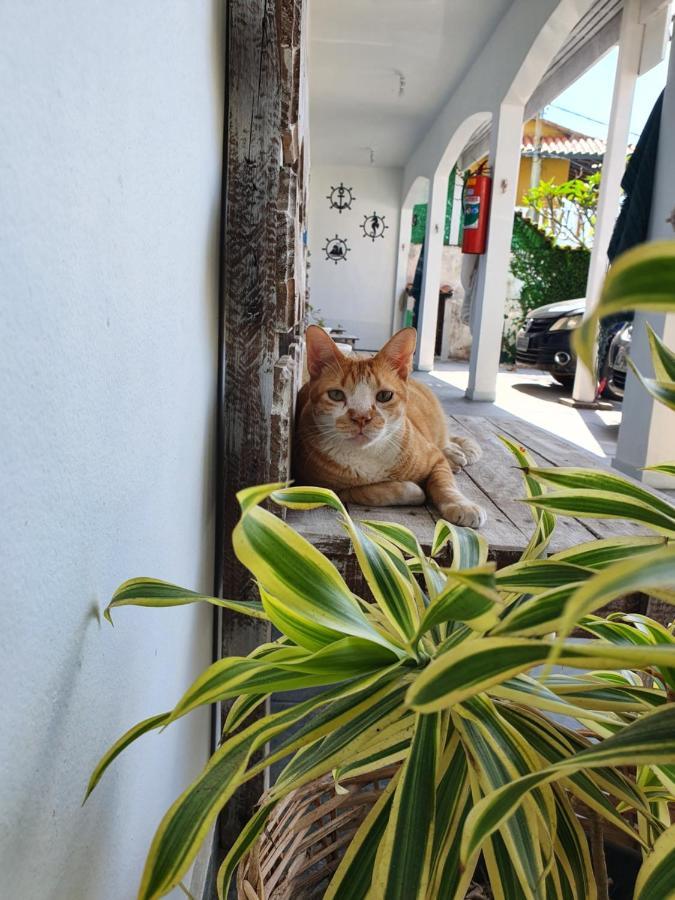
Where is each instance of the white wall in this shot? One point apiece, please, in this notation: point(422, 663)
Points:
point(357, 293)
point(110, 157)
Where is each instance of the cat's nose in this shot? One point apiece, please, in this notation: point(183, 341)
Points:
point(360, 418)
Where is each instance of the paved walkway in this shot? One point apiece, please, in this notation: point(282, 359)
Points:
point(532, 396)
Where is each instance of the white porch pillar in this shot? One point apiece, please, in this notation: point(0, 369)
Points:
point(487, 318)
point(431, 277)
point(647, 431)
point(457, 211)
point(404, 235)
point(614, 164)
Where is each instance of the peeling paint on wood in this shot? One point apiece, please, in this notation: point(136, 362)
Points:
point(263, 281)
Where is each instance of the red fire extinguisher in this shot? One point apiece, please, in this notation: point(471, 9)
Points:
point(476, 203)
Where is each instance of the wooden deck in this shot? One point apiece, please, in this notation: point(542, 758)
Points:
point(495, 483)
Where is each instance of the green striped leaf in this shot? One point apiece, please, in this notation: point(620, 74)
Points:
point(156, 593)
point(189, 819)
point(663, 391)
point(234, 676)
point(536, 575)
point(244, 842)
point(663, 358)
point(600, 554)
point(501, 872)
point(555, 743)
point(614, 632)
point(656, 880)
point(655, 570)
point(657, 633)
point(307, 498)
point(240, 710)
point(544, 519)
point(529, 691)
point(498, 756)
point(453, 801)
point(604, 505)
point(469, 548)
point(405, 540)
point(572, 851)
point(127, 738)
point(540, 614)
point(641, 279)
point(478, 665)
point(649, 740)
point(297, 625)
point(290, 569)
point(401, 537)
point(469, 596)
point(666, 468)
point(599, 480)
point(389, 746)
point(593, 692)
point(343, 743)
point(353, 876)
point(390, 584)
point(405, 848)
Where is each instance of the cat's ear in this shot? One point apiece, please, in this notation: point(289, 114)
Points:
point(321, 350)
point(399, 349)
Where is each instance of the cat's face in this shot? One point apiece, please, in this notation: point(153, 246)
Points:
point(358, 402)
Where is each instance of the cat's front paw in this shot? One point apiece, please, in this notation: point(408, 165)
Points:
point(470, 448)
point(455, 456)
point(464, 513)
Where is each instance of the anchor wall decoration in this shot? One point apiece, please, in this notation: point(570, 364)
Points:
point(374, 226)
point(340, 197)
point(336, 249)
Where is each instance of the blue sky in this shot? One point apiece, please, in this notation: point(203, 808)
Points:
point(586, 103)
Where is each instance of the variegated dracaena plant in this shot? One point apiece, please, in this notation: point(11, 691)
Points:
point(450, 673)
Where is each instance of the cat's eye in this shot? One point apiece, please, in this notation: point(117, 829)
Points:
point(384, 396)
point(338, 396)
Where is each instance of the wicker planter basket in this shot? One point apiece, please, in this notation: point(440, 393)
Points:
point(309, 832)
point(306, 837)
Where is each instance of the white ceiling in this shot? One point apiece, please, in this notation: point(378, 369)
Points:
point(356, 49)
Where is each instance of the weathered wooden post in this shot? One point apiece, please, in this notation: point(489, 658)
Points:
point(262, 283)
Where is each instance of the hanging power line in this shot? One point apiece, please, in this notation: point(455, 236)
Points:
point(573, 112)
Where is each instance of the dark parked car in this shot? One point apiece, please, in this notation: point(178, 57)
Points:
point(544, 339)
point(618, 354)
point(544, 342)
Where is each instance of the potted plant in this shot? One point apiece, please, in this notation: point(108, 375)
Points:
point(451, 680)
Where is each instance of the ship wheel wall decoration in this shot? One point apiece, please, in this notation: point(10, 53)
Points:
point(374, 226)
point(336, 249)
point(340, 197)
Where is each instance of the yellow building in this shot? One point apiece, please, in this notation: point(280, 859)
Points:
point(560, 153)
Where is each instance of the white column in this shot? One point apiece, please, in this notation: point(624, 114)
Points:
point(457, 211)
point(487, 318)
point(431, 278)
point(647, 431)
point(404, 235)
point(614, 164)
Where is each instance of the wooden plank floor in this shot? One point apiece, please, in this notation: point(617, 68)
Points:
point(495, 483)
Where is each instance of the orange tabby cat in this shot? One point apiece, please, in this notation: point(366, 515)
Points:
point(377, 438)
